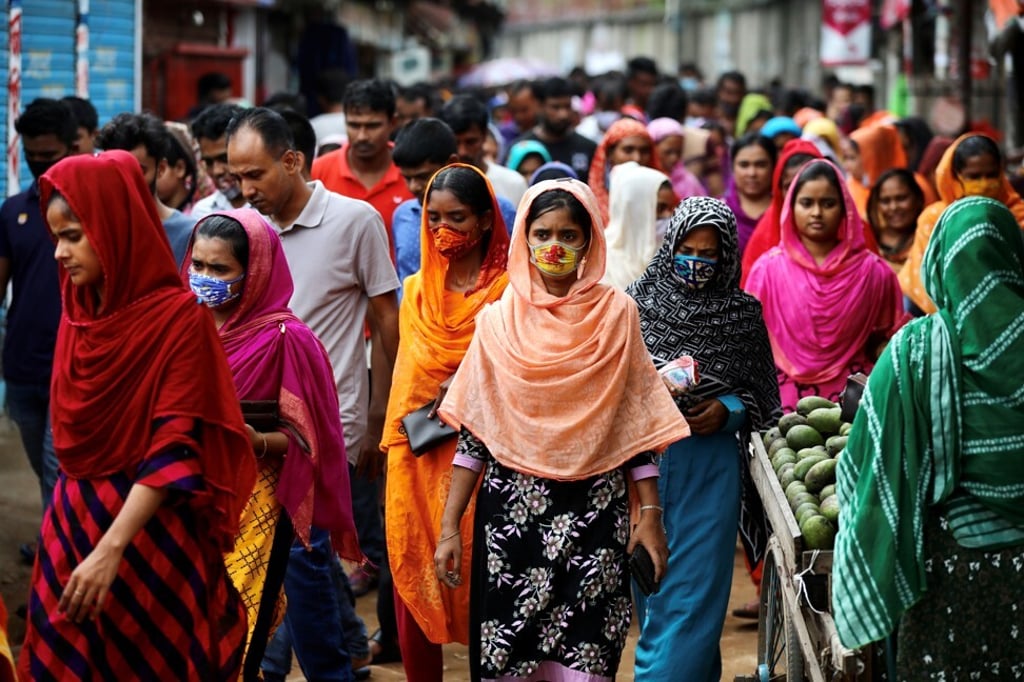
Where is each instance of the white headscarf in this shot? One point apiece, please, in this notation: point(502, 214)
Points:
point(631, 236)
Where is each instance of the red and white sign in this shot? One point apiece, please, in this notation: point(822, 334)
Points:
point(893, 12)
point(13, 96)
point(845, 32)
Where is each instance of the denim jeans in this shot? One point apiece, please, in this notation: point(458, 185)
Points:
point(318, 620)
point(29, 405)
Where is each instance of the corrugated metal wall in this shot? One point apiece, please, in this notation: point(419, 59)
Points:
point(112, 57)
point(48, 54)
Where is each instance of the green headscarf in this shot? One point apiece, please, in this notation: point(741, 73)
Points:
point(941, 424)
point(750, 106)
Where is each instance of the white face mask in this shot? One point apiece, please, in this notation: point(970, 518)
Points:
point(661, 227)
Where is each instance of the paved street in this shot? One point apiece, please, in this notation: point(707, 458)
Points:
point(19, 509)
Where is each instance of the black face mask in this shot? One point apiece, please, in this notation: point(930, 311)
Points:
point(37, 168)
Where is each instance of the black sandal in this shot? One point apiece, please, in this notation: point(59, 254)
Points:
point(381, 653)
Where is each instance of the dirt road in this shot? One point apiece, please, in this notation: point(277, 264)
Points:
point(19, 510)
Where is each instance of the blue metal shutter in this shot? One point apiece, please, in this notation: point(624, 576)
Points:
point(48, 54)
point(4, 46)
point(112, 57)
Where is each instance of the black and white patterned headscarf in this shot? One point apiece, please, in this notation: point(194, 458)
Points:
point(720, 326)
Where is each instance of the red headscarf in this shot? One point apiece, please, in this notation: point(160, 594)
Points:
point(151, 351)
point(620, 130)
point(820, 317)
point(274, 356)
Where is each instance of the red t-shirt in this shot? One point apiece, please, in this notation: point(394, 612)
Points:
point(333, 170)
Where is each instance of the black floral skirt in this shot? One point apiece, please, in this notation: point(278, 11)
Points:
point(970, 623)
point(550, 584)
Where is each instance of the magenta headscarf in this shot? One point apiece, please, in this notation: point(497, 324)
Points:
point(274, 355)
point(820, 317)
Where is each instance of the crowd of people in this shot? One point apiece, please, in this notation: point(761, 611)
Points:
point(429, 332)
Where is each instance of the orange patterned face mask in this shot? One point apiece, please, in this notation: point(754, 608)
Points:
point(451, 243)
point(982, 187)
point(555, 258)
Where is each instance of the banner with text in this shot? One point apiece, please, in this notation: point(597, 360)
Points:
point(845, 32)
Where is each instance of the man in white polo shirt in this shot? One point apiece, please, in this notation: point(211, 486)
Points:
point(340, 262)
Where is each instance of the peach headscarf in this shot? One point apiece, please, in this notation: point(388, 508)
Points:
point(950, 190)
point(620, 130)
point(562, 387)
point(880, 150)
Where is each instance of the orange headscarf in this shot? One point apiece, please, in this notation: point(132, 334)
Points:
point(950, 190)
point(562, 387)
point(620, 130)
point(436, 327)
point(880, 150)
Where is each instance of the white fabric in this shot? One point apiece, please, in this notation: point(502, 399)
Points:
point(631, 233)
point(507, 183)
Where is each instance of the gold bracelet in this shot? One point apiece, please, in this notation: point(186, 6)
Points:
point(264, 453)
point(645, 507)
point(447, 537)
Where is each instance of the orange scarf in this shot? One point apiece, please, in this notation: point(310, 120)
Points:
point(950, 190)
point(562, 387)
point(436, 327)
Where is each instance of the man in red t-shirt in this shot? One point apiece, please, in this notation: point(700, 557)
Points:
point(362, 168)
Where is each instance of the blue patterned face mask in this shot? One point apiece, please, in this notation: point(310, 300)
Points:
point(694, 271)
point(212, 291)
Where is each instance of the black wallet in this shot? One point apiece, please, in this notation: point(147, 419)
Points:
point(642, 567)
point(262, 415)
point(425, 433)
point(855, 385)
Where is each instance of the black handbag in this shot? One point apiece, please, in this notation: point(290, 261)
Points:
point(262, 415)
point(425, 433)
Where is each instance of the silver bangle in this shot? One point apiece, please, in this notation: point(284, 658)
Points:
point(645, 507)
point(447, 537)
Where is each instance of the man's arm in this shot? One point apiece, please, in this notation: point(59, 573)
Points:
point(5, 276)
point(382, 316)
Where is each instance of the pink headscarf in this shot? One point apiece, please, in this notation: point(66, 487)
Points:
point(274, 356)
point(820, 317)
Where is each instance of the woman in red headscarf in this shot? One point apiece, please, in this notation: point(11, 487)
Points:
point(130, 581)
point(626, 140)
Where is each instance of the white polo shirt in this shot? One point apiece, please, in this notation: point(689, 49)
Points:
point(338, 253)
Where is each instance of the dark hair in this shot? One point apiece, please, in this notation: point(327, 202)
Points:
point(638, 65)
point(224, 227)
point(44, 116)
point(554, 199)
point(422, 91)
point(370, 94)
point(754, 140)
point(667, 100)
point(331, 85)
point(467, 185)
point(909, 181)
point(703, 96)
point(794, 162)
point(179, 148)
point(462, 112)
point(554, 87)
point(734, 76)
point(973, 146)
point(128, 131)
point(522, 84)
point(423, 140)
point(866, 90)
point(210, 82)
point(271, 126)
point(816, 170)
point(212, 122)
point(303, 135)
point(84, 111)
point(280, 101)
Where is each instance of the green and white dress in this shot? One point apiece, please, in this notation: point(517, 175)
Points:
point(931, 484)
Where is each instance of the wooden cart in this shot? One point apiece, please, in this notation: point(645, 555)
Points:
point(796, 636)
